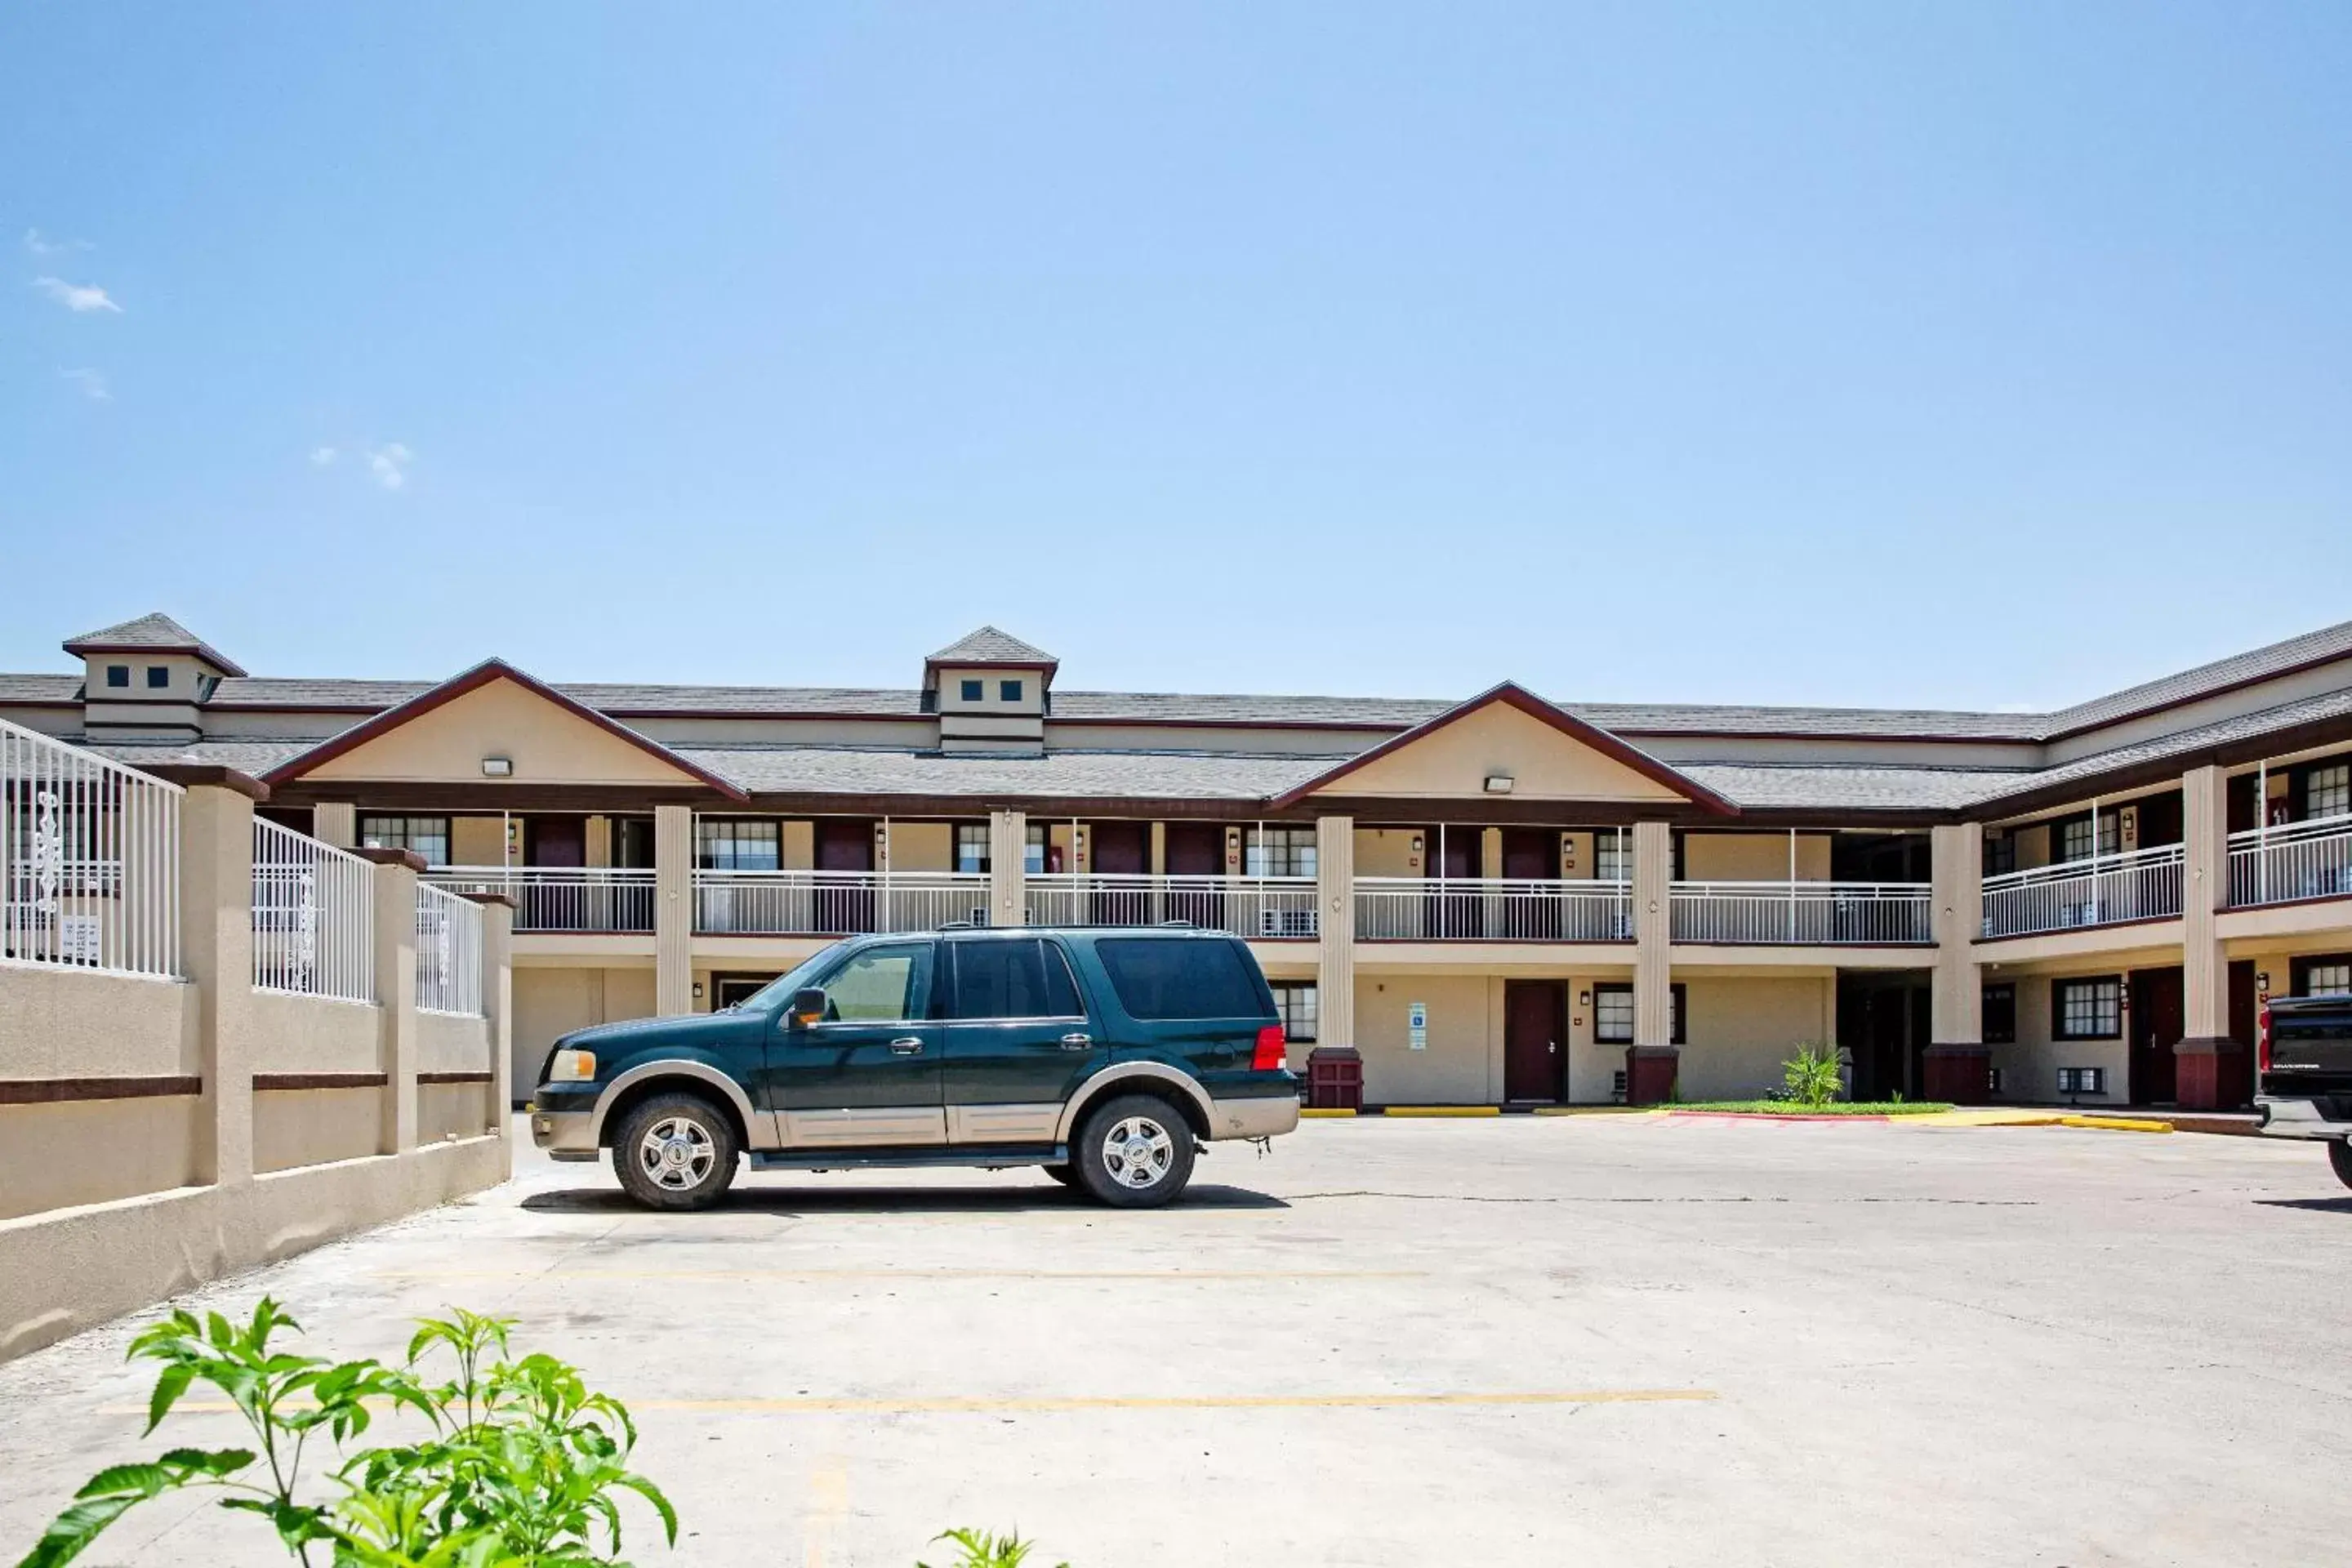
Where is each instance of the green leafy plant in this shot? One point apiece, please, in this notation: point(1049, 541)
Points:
point(522, 1466)
point(979, 1548)
point(1811, 1076)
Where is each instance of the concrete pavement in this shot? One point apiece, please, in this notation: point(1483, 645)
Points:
point(1621, 1339)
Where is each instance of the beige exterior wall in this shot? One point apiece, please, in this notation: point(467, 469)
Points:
point(553, 1001)
point(796, 845)
point(295, 1127)
point(1754, 856)
point(1390, 852)
point(1464, 1062)
point(302, 1034)
point(1739, 1031)
point(546, 743)
point(58, 1024)
point(93, 1151)
point(922, 845)
point(447, 1110)
point(1453, 764)
point(479, 841)
point(2029, 1067)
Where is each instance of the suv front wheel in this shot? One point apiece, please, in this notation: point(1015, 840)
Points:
point(1133, 1153)
point(675, 1152)
point(2339, 1154)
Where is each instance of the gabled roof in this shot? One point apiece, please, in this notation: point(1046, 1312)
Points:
point(1513, 695)
point(989, 646)
point(152, 633)
point(474, 679)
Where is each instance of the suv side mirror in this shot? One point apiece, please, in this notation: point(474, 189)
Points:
point(807, 1007)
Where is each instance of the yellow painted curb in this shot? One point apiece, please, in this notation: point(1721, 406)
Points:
point(1596, 1110)
point(2115, 1123)
point(1979, 1118)
point(1325, 1110)
point(1443, 1110)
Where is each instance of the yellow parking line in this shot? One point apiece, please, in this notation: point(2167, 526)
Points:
point(982, 1404)
point(1167, 1276)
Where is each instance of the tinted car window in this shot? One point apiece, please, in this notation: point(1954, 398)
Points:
point(1023, 978)
point(1186, 979)
point(876, 985)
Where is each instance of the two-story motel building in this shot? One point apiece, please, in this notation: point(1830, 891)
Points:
point(1503, 900)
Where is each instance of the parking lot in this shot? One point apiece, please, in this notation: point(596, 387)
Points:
point(1604, 1339)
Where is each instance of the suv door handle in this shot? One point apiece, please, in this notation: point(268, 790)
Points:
point(1077, 1042)
point(907, 1045)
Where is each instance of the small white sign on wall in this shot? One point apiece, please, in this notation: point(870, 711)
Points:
point(1416, 1023)
point(79, 940)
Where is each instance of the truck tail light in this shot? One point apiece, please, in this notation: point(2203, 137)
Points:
point(2262, 1039)
point(1268, 1057)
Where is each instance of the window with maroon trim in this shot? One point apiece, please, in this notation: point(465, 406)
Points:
point(1613, 1014)
point(2087, 1009)
point(2000, 1014)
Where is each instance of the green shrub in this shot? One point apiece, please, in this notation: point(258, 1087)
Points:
point(524, 1465)
point(1811, 1076)
point(982, 1550)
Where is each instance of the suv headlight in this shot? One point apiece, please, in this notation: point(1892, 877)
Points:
point(571, 1067)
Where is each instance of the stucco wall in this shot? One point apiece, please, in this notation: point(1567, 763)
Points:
point(1389, 852)
point(922, 847)
point(91, 1151)
point(295, 1127)
point(1452, 762)
point(2029, 1067)
point(305, 1033)
point(1462, 1065)
point(546, 744)
point(56, 1023)
point(1738, 1031)
point(447, 1042)
point(1754, 856)
point(551, 1001)
point(452, 1110)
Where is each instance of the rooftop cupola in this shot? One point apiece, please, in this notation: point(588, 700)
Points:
point(990, 690)
point(147, 679)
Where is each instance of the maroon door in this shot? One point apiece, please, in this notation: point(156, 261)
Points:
point(2239, 1089)
point(1529, 855)
point(1196, 849)
point(2157, 1014)
point(1535, 1055)
point(555, 841)
point(1458, 914)
point(844, 900)
point(1120, 850)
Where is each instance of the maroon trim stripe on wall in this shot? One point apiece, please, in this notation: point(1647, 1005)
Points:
point(431, 1078)
point(264, 1081)
point(58, 1090)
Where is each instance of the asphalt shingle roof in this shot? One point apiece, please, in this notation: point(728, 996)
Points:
point(989, 646)
point(155, 630)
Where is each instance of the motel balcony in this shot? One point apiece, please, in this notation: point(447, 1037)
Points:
point(1801, 913)
point(835, 903)
point(1262, 909)
point(1493, 909)
point(2102, 890)
point(598, 899)
point(2292, 863)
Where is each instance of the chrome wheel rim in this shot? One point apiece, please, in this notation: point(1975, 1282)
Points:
point(1137, 1152)
point(677, 1153)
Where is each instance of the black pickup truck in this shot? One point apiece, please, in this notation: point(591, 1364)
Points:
point(2306, 1066)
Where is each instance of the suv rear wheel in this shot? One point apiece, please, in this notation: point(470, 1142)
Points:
point(1133, 1153)
point(2339, 1154)
point(675, 1152)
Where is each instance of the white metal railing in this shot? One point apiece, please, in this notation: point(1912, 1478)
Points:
point(1254, 907)
point(2309, 859)
point(1803, 912)
point(835, 903)
point(313, 916)
point(2105, 889)
point(449, 952)
point(1492, 908)
point(562, 898)
point(90, 860)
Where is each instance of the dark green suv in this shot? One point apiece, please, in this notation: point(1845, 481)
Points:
point(1103, 1055)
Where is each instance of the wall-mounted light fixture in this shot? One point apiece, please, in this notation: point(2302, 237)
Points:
point(498, 767)
point(1499, 783)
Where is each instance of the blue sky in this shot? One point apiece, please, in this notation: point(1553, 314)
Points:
point(1962, 354)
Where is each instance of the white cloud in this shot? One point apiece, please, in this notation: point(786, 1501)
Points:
point(389, 463)
point(321, 456)
point(92, 383)
point(77, 296)
point(39, 244)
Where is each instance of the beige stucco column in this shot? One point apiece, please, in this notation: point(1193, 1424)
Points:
point(1957, 1062)
point(673, 911)
point(1654, 871)
point(2204, 893)
point(336, 822)
point(1956, 903)
point(395, 994)
point(216, 956)
point(497, 1010)
point(1008, 860)
point(1334, 924)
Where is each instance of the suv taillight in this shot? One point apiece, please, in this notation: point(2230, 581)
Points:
point(1268, 1057)
point(2262, 1039)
